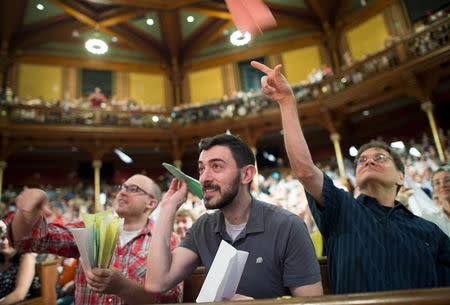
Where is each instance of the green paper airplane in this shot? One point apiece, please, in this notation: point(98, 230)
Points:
point(192, 184)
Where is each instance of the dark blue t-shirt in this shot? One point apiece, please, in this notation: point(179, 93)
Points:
point(375, 248)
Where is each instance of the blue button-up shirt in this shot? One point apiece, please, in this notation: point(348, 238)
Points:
point(374, 248)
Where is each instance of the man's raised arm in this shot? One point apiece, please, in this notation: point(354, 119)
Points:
point(275, 86)
point(165, 269)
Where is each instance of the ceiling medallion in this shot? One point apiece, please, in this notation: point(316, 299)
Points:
point(96, 46)
point(238, 39)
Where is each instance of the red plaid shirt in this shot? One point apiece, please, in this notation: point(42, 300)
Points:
point(129, 259)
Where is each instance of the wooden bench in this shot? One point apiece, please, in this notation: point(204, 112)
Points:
point(193, 284)
point(48, 275)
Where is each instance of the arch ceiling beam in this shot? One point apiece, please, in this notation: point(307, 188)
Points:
point(171, 32)
point(210, 30)
point(88, 17)
point(286, 16)
point(155, 4)
point(321, 10)
point(370, 10)
point(48, 33)
point(119, 15)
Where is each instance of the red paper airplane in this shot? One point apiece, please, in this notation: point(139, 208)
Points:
point(251, 16)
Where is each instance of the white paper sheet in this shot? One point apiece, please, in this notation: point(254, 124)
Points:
point(224, 275)
point(81, 236)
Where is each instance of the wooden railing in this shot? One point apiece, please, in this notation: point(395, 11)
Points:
point(83, 116)
point(401, 52)
point(434, 296)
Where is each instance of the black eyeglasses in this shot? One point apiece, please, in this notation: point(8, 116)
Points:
point(133, 189)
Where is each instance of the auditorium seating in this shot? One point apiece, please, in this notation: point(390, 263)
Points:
point(48, 276)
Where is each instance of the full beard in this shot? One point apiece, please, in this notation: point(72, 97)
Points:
point(226, 197)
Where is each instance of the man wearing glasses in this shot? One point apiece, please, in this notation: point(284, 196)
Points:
point(123, 283)
point(374, 243)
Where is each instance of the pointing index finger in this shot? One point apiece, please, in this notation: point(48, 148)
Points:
point(261, 67)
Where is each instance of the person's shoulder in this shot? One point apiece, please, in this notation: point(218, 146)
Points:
point(425, 224)
point(273, 210)
point(208, 218)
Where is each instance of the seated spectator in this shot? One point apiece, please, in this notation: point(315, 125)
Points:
point(97, 98)
point(17, 273)
point(373, 242)
point(226, 169)
point(183, 222)
point(65, 287)
point(136, 199)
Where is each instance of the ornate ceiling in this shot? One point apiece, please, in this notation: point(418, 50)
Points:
point(58, 31)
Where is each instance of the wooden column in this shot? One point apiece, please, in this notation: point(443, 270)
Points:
point(69, 83)
point(177, 151)
point(427, 107)
point(97, 164)
point(336, 138)
point(230, 78)
point(122, 90)
point(273, 59)
point(250, 137)
point(396, 20)
point(3, 165)
point(176, 79)
point(256, 178)
point(332, 126)
point(97, 150)
point(178, 163)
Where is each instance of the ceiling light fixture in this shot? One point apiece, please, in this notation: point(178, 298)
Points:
point(123, 156)
point(353, 151)
point(415, 152)
point(190, 19)
point(96, 46)
point(150, 21)
point(238, 39)
point(40, 7)
point(398, 144)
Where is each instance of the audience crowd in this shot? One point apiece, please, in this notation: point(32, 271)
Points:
point(277, 186)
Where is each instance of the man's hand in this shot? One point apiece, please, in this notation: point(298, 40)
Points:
point(176, 195)
point(445, 204)
point(238, 297)
point(274, 84)
point(109, 281)
point(404, 194)
point(31, 201)
point(30, 204)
